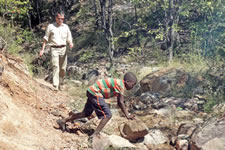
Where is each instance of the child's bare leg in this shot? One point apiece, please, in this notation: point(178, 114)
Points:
point(74, 117)
point(62, 122)
point(101, 126)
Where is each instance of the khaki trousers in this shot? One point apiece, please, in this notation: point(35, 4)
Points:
point(59, 63)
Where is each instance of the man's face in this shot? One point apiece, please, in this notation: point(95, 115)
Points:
point(59, 19)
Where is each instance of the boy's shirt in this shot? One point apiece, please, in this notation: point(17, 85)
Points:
point(107, 88)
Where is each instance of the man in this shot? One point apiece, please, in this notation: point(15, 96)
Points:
point(58, 35)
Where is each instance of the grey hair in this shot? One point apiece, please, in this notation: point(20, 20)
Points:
point(60, 12)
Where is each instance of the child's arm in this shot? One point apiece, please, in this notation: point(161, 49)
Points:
point(120, 102)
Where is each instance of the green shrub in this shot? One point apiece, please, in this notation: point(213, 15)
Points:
point(9, 34)
point(85, 56)
point(215, 85)
point(212, 82)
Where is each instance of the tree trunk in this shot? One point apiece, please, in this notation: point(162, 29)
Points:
point(103, 19)
point(171, 49)
point(96, 14)
point(6, 9)
point(106, 23)
point(171, 30)
point(136, 20)
point(110, 33)
point(38, 10)
point(29, 21)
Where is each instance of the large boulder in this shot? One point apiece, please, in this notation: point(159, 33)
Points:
point(133, 130)
point(155, 137)
point(163, 80)
point(112, 142)
point(183, 135)
point(210, 136)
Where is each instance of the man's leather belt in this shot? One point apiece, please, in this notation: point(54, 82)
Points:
point(58, 46)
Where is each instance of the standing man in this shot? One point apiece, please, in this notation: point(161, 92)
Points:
point(58, 35)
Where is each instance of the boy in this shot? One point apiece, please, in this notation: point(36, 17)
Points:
point(96, 93)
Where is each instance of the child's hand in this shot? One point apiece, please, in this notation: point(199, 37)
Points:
point(131, 117)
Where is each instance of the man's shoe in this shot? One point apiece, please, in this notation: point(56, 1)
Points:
point(55, 88)
point(61, 88)
point(62, 125)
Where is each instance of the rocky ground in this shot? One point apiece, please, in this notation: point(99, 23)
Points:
point(30, 108)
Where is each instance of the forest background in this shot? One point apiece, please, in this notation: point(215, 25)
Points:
point(151, 32)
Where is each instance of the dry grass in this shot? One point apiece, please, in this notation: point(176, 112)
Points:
point(78, 93)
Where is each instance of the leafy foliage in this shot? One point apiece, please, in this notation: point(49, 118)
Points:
point(208, 29)
point(15, 9)
point(13, 40)
point(215, 85)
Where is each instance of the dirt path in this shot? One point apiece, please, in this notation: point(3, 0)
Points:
point(29, 109)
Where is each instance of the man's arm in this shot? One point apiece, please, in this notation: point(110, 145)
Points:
point(120, 102)
point(69, 38)
point(43, 47)
point(45, 40)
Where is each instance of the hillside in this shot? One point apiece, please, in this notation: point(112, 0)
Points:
point(177, 101)
point(28, 112)
point(30, 108)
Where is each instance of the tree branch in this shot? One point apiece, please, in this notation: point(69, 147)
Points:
point(4, 45)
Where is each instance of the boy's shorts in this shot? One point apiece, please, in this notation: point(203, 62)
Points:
point(98, 105)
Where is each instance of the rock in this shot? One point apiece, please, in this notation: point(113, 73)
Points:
point(112, 141)
point(186, 129)
point(74, 70)
point(162, 81)
point(210, 136)
point(186, 104)
point(161, 147)
point(198, 120)
point(182, 144)
point(139, 105)
point(1, 65)
point(149, 98)
point(1, 70)
point(216, 143)
point(167, 111)
point(90, 75)
point(141, 146)
point(77, 82)
point(155, 137)
point(133, 130)
point(220, 108)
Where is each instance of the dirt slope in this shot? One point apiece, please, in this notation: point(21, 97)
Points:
point(28, 112)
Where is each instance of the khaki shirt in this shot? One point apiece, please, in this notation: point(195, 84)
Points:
point(58, 35)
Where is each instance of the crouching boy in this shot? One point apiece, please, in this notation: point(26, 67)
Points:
point(103, 89)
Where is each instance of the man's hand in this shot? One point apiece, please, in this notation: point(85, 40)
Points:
point(43, 48)
point(131, 117)
point(41, 52)
point(71, 45)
